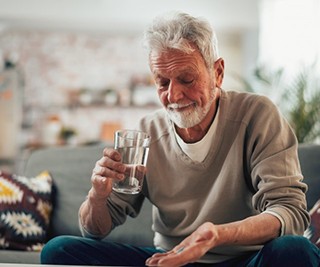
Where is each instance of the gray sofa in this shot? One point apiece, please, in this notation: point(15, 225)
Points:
point(71, 169)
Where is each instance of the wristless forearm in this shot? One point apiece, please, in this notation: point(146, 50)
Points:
point(94, 216)
point(255, 230)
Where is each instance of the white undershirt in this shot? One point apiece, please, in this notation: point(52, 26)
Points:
point(199, 150)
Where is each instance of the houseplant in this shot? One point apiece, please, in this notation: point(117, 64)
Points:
point(297, 97)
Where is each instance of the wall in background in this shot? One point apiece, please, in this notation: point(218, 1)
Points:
point(59, 66)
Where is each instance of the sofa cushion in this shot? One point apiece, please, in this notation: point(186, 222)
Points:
point(19, 256)
point(71, 168)
point(25, 208)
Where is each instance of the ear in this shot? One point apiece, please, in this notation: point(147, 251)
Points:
point(219, 71)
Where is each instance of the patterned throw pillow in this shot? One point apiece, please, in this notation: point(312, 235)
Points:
point(25, 210)
point(313, 232)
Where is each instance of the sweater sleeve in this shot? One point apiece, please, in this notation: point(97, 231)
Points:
point(121, 205)
point(275, 169)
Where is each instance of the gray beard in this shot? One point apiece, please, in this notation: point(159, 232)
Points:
point(191, 118)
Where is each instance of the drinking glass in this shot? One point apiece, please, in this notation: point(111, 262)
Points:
point(134, 148)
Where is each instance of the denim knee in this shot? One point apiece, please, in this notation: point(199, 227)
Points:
point(292, 250)
point(290, 243)
point(54, 249)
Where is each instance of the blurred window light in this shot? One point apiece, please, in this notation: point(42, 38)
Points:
point(289, 34)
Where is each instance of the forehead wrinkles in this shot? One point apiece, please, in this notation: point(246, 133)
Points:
point(171, 64)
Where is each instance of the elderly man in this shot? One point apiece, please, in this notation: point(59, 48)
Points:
point(222, 173)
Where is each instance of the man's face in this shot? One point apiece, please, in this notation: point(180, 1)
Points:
point(185, 86)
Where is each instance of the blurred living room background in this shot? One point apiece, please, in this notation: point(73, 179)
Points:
point(74, 71)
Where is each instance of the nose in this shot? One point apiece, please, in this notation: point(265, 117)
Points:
point(175, 92)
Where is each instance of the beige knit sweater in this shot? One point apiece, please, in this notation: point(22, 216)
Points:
point(252, 167)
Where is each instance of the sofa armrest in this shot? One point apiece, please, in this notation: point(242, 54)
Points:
point(309, 156)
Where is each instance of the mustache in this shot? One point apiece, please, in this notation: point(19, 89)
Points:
point(179, 105)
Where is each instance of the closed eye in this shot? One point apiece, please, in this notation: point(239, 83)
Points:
point(186, 78)
point(187, 81)
point(163, 82)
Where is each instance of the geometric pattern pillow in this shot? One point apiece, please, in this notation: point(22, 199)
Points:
point(313, 232)
point(25, 211)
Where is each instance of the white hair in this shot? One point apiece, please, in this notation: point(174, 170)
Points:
point(179, 31)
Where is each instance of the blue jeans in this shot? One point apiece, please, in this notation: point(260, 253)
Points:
point(283, 251)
